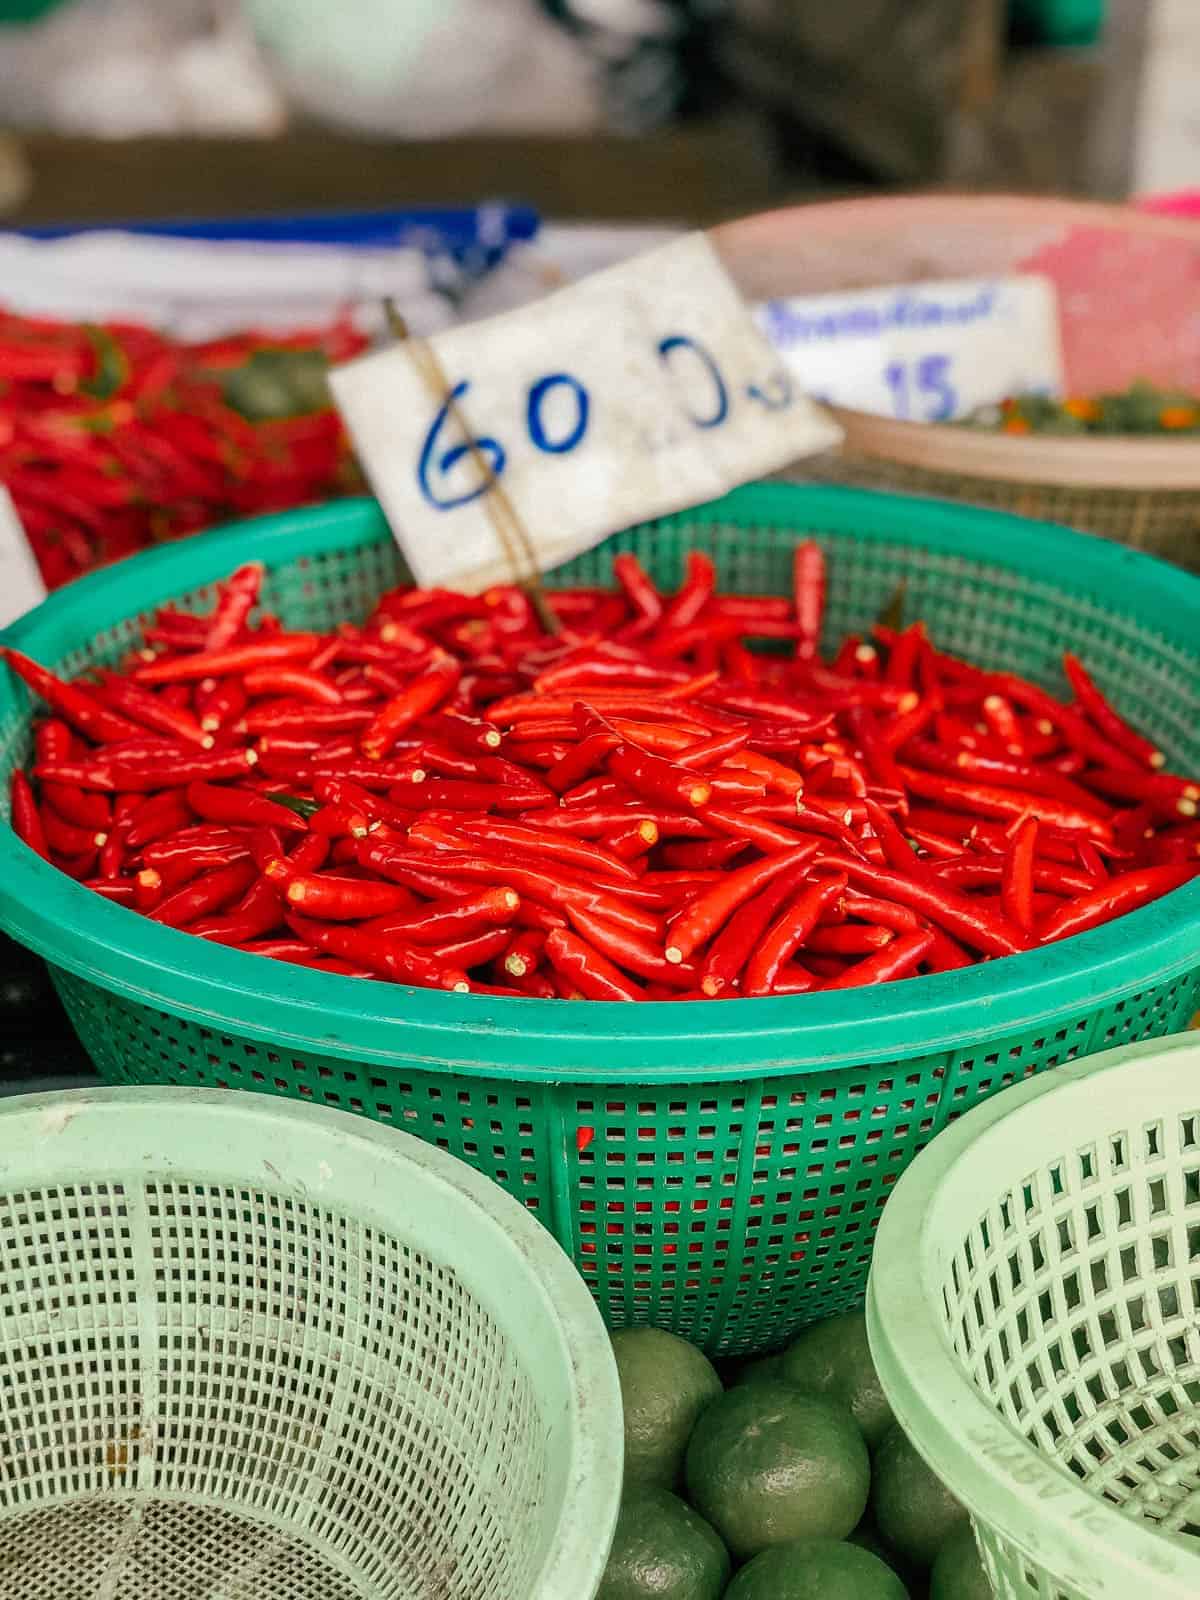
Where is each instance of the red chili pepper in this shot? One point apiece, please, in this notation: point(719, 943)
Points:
point(1066, 719)
point(990, 800)
point(236, 660)
point(300, 682)
point(934, 845)
point(188, 854)
point(592, 974)
point(257, 913)
point(469, 734)
point(1106, 718)
point(144, 779)
point(706, 916)
point(636, 957)
point(86, 810)
point(238, 598)
point(1115, 898)
point(222, 705)
point(696, 591)
point(423, 695)
point(538, 841)
point(977, 925)
point(148, 889)
point(26, 820)
point(157, 817)
point(655, 779)
point(556, 891)
point(118, 890)
point(643, 597)
point(476, 951)
point(383, 954)
point(849, 939)
point(332, 899)
point(239, 807)
point(524, 954)
point(149, 711)
point(632, 840)
point(1169, 797)
point(808, 592)
point(282, 717)
point(82, 710)
point(1016, 893)
point(788, 932)
point(65, 839)
point(212, 891)
point(744, 825)
point(582, 760)
point(705, 854)
point(899, 960)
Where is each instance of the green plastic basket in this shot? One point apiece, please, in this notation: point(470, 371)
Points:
point(742, 1151)
point(1033, 1313)
point(250, 1351)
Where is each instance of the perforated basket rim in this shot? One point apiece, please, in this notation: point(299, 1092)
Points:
point(391, 1181)
point(1149, 466)
point(555, 1041)
point(1005, 1482)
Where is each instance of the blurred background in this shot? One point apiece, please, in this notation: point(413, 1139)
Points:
point(680, 110)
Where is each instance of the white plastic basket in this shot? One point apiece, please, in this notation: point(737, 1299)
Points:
point(1033, 1313)
point(256, 1351)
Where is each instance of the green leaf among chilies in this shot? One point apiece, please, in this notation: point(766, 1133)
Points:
point(293, 802)
point(112, 366)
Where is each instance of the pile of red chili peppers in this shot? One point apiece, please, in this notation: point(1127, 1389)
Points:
point(637, 807)
point(114, 437)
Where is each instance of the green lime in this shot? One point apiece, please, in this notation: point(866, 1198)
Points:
point(834, 1359)
point(767, 1464)
point(914, 1511)
point(958, 1571)
point(665, 1384)
point(663, 1551)
point(816, 1569)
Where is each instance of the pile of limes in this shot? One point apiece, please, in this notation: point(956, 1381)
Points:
point(793, 1482)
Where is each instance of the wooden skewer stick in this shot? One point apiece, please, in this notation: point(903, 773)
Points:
point(510, 530)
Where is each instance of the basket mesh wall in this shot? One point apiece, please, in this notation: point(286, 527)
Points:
point(334, 1416)
point(1073, 1304)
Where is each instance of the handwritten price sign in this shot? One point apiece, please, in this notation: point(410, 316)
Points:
point(637, 392)
point(924, 352)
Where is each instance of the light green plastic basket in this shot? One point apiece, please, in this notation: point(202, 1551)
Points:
point(716, 1168)
point(1034, 1313)
point(252, 1351)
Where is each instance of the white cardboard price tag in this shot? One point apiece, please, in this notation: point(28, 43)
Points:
point(922, 352)
point(21, 586)
point(642, 390)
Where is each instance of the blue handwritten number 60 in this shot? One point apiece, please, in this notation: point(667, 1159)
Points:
point(434, 467)
point(537, 427)
point(491, 449)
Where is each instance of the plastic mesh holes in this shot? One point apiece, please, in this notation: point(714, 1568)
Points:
point(1072, 1304)
point(334, 1416)
point(733, 1213)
